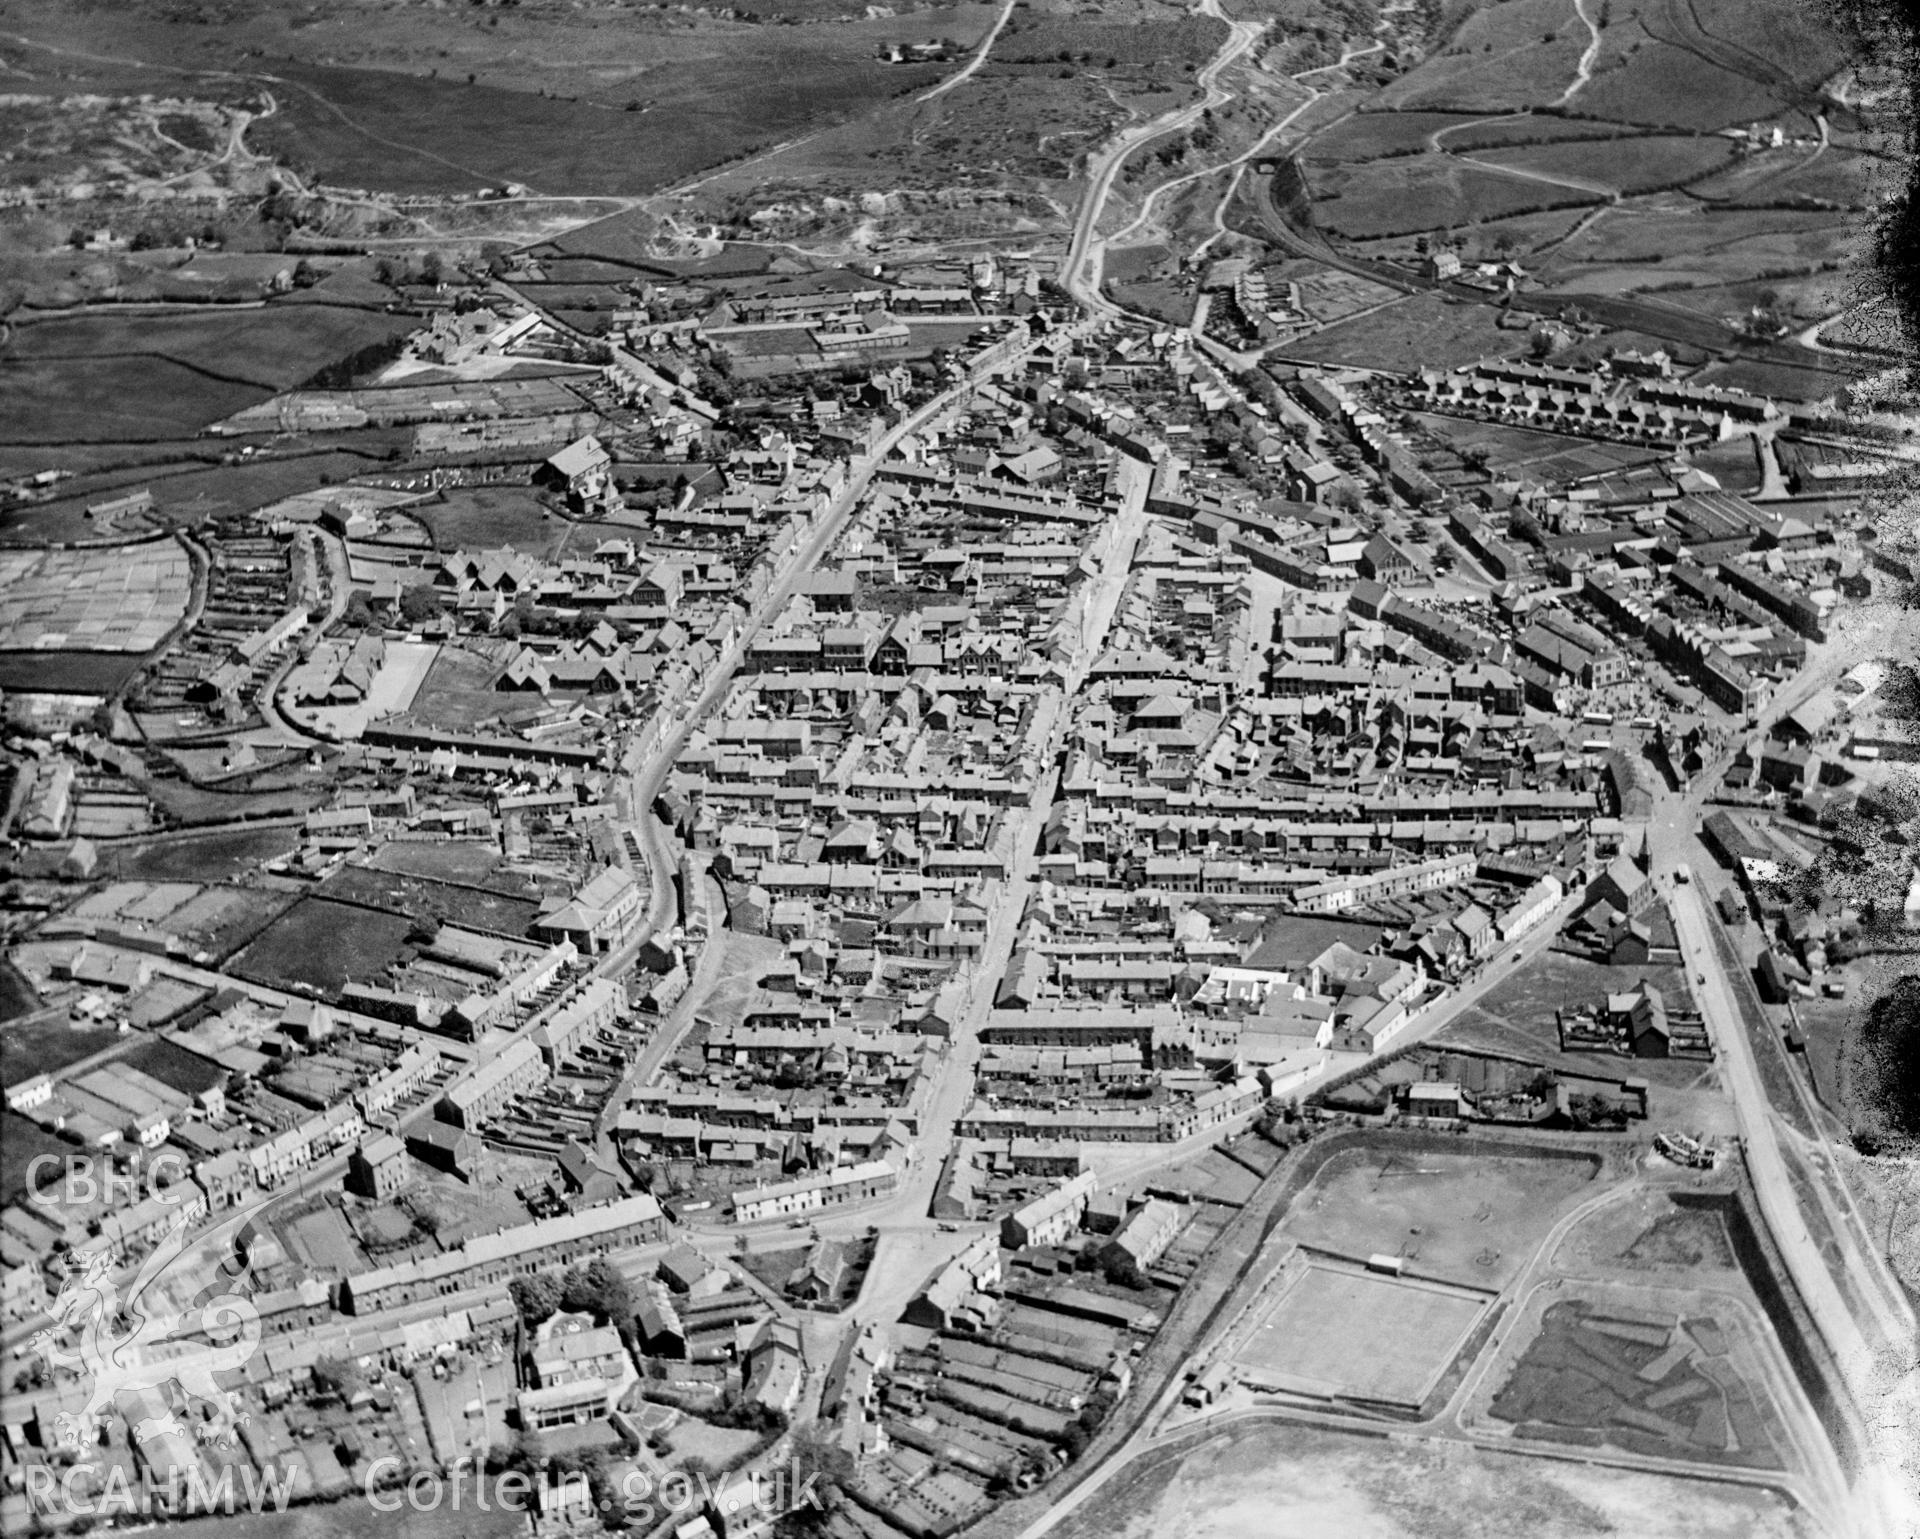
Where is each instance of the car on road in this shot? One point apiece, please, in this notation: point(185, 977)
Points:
point(945, 1228)
point(1700, 978)
point(1519, 956)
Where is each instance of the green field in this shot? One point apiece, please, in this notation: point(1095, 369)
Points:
point(1420, 330)
point(323, 945)
point(1631, 165)
point(1130, 264)
point(118, 378)
point(189, 490)
point(1756, 179)
point(1159, 298)
point(21, 1143)
point(1371, 135)
point(225, 856)
point(1513, 451)
point(1520, 53)
point(1665, 86)
point(275, 346)
point(81, 673)
point(47, 1045)
point(17, 997)
point(1671, 242)
point(60, 400)
point(458, 694)
point(508, 912)
point(1528, 128)
point(1782, 382)
point(1783, 37)
point(1426, 192)
point(1838, 178)
point(453, 861)
point(1527, 233)
point(486, 517)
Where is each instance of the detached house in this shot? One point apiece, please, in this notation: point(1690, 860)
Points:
point(583, 470)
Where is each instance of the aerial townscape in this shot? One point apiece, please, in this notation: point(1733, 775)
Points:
point(995, 767)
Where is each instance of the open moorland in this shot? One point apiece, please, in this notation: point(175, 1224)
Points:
point(558, 104)
point(404, 98)
point(1643, 145)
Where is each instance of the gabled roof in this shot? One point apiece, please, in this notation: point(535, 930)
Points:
point(579, 458)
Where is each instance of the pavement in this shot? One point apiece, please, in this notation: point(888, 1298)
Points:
point(1878, 1356)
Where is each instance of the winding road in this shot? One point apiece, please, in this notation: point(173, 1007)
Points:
point(1081, 273)
point(1583, 72)
point(979, 57)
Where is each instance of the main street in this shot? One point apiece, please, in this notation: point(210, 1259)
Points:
point(1876, 1355)
point(1871, 1364)
point(912, 1244)
point(648, 777)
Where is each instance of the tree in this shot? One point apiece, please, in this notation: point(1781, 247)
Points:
point(337, 1376)
point(822, 1470)
point(592, 1462)
point(536, 1297)
point(1889, 1066)
point(601, 1289)
point(419, 603)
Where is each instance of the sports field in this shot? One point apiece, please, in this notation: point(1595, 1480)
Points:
point(1341, 1331)
point(1464, 1218)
